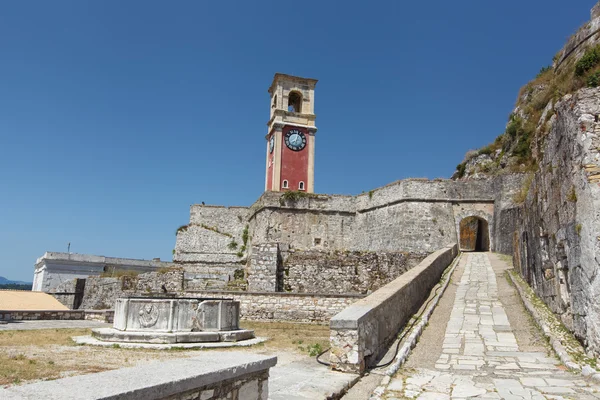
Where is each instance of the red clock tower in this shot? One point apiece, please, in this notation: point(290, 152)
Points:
point(291, 134)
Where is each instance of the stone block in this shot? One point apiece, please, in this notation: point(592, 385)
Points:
point(171, 379)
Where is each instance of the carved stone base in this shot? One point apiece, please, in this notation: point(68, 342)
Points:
point(115, 335)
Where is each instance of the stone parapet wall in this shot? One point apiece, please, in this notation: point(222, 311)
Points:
point(418, 190)
point(232, 376)
point(284, 307)
point(360, 333)
point(414, 215)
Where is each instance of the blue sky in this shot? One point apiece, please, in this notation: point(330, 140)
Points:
point(115, 116)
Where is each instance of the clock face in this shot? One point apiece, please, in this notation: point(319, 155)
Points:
point(295, 140)
point(271, 144)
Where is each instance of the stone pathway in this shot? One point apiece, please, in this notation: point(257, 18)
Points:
point(480, 356)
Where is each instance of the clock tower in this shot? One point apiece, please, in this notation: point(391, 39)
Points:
point(291, 134)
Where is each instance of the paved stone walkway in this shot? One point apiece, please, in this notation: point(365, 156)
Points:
point(480, 356)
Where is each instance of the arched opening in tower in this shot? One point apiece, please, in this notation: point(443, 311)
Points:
point(295, 102)
point(474, 234)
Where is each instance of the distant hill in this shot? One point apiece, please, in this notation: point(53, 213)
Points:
point(19, 285)
point(4, 281)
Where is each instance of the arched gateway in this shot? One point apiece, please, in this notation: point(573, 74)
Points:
point(474, 234)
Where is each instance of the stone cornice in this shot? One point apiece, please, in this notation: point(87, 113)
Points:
point(303, 81)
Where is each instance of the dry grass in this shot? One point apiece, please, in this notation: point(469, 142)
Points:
point(29, 355)
point(41, 337)
point(290, 336)
point(51, 354)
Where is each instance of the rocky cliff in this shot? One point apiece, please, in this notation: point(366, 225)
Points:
point(521, 146)
point(552, 136)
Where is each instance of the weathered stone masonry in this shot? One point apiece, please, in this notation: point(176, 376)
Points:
point(405, 221)
point(557, 240)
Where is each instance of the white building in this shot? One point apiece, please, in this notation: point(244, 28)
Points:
point(53, 268)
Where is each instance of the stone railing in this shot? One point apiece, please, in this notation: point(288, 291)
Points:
point(363, 331)
point(235, 376)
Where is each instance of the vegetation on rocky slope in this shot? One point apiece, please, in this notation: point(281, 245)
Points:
point(520, 146)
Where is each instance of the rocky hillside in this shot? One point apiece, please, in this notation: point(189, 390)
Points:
point(553, 135)
point(519, 148)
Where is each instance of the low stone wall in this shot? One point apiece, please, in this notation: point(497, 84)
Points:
point(8, 315)
point(100, 315)
point(94, 315)
point(288, 307)
point(234, 376)
point(360, 333)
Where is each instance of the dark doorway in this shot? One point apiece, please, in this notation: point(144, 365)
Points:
point(474, 234)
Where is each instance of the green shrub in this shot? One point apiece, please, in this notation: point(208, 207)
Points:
point(461, 168)
point(315, 349)
point(232, 245)
point(594, 79)
point(572, 196)
point(523, 148)
point(293, 196)
point(514, 126)
point(590, 59)
point(239, 274)
point(543, 70)
point(487, 150)
point(245, 236)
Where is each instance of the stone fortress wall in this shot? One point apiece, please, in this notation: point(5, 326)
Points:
point(210, 247)
point(338, 244)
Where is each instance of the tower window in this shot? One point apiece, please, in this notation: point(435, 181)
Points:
point(301, 186)
point(274, 102)
point(295, 102)
point(285, 184)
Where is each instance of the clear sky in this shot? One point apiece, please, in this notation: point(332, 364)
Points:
point(115, 116)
